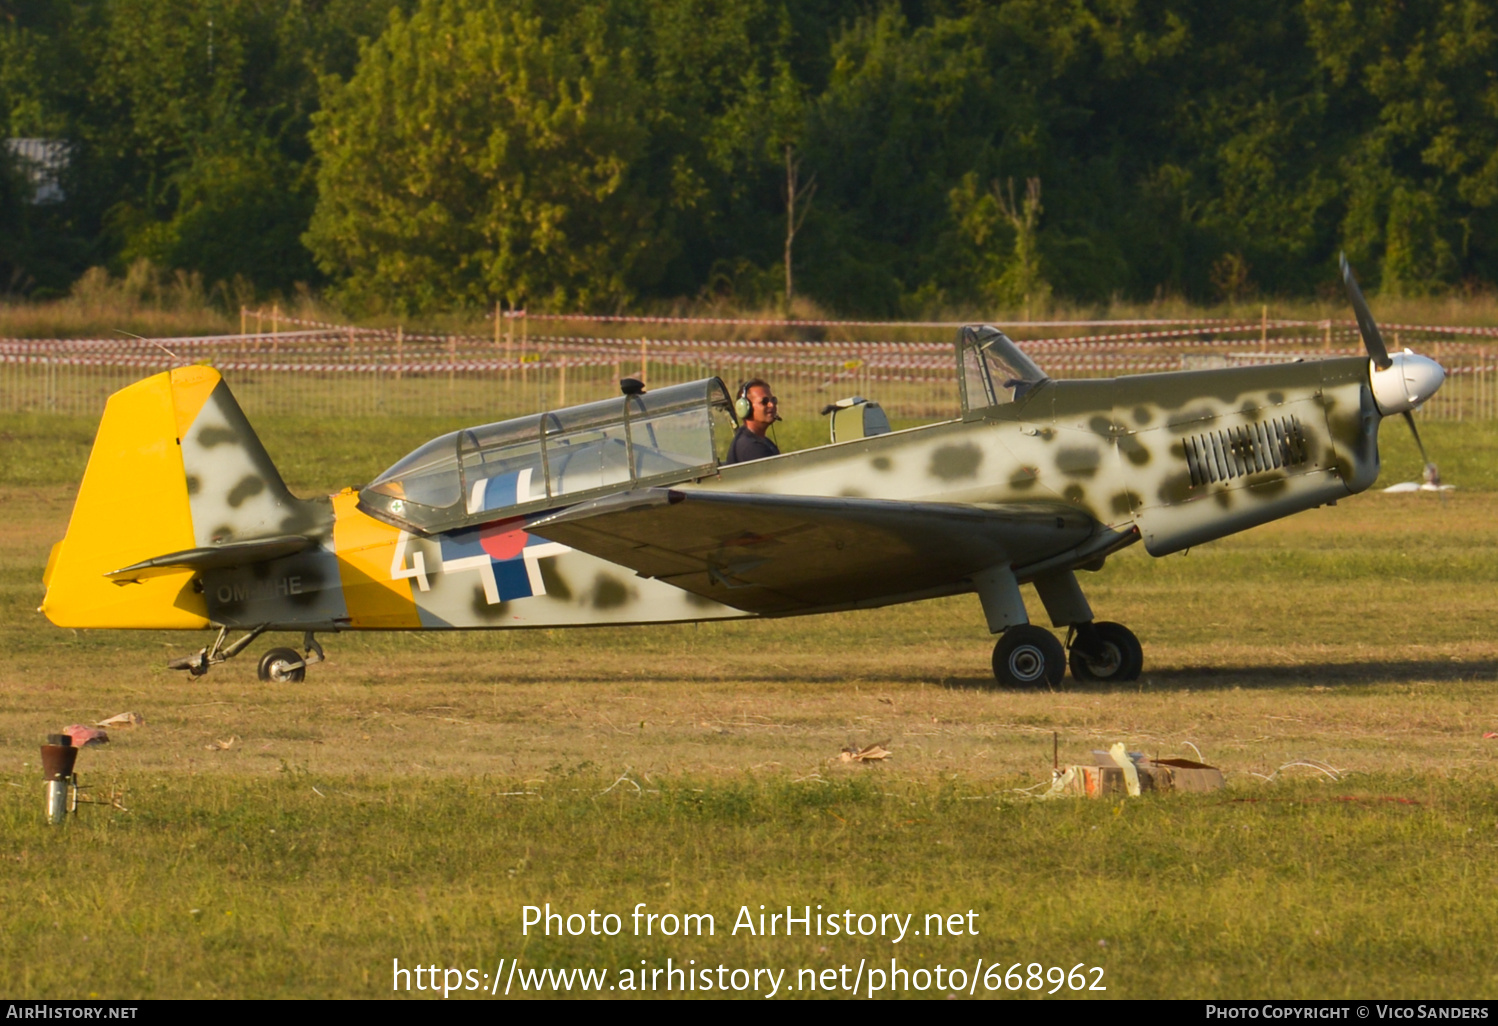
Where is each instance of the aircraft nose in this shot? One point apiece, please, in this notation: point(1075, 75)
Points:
point(1406, 383)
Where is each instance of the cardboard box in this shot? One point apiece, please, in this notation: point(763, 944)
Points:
point(1154, 775)
point(1185, 775)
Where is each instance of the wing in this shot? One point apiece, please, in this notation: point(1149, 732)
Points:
point(778, 554)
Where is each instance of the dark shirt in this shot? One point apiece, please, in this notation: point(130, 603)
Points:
point(746, 446)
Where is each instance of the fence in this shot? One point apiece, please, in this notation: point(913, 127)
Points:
point(532, 363)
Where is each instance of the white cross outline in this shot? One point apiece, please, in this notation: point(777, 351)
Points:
point(483, 563)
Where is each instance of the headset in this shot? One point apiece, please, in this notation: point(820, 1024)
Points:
point(743, 406)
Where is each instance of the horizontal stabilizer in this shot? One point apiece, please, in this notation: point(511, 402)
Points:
point(216, 557)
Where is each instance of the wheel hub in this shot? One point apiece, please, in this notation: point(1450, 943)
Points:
point(1027, 663)
point(1108, 665)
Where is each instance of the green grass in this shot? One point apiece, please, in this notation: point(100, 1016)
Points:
point(420, 789)
point(310, 884)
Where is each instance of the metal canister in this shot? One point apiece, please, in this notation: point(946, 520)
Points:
point(58, 759)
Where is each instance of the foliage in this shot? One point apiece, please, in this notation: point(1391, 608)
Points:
point(188, 120)
point(475, 156)
point(561, 153)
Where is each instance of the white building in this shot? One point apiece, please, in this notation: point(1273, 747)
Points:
point(42, 162)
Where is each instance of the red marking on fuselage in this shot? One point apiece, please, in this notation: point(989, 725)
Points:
point(505, 539)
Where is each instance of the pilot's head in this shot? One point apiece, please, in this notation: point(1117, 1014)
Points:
point(761, 408)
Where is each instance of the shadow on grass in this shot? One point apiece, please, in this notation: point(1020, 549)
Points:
point(1222, 678)
point(1193, 678)
point(1394, 671)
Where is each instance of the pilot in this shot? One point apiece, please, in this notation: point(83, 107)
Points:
point(757, 408)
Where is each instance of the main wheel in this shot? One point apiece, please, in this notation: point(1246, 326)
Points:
point(1123, 657)
point(283, 666)
point(1029, 656)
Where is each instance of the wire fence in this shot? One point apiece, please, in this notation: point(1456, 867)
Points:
point(531, 363)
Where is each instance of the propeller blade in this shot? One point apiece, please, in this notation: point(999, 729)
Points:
point(1372, 340)
point(1409, 418)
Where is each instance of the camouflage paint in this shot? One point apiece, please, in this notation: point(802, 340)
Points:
point(1115, 451)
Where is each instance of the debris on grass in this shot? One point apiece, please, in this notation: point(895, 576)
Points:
point(1315, 764)
point(1119, 771)
point(222, 744)
point(124, 719)
point(870, 753)
point(85, 737)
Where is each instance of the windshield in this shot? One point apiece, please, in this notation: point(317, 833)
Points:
point(513, 467)
point(992, 369)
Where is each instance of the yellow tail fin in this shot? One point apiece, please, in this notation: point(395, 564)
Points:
point(133, 505)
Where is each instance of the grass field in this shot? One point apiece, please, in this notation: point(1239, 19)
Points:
point(418, 791)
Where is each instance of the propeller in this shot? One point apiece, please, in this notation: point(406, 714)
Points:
point(1367, 326)
point(1400, 382)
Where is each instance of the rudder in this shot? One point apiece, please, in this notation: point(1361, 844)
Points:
point(174, 466)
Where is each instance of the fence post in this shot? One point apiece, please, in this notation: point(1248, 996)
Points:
point(275, 327)
point(400, 350)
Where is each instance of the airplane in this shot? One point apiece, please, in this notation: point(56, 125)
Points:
point(623, 511)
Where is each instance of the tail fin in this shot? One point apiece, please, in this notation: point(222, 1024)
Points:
point(175, 466)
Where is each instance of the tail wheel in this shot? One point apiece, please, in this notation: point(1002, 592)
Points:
point(1028, 656)
point(283, 666)
point(1122, 659)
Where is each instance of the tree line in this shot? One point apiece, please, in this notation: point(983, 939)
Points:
point(879, 158)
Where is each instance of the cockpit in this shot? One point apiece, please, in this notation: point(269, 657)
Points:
point(667, 436)
point(992, 370)
point(482, 474)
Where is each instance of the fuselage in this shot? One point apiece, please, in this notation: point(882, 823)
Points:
point(1173, 459)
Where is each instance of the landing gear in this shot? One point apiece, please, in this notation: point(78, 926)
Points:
point(283, 666)
point(279, 665)
point(1105, 652)
point(198, 663)
point(1028, 656)
point(286, 666)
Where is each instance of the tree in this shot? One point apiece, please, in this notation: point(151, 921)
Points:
point(479, 154)
point(1022, 281)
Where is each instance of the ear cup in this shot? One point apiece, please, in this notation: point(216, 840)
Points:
point(742, 407)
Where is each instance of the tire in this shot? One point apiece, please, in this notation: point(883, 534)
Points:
point(1028, 656)
point(283, 666)
point(1125, 660)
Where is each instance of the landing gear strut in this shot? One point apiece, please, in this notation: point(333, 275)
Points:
point(279, 665)
point(1031, 656)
